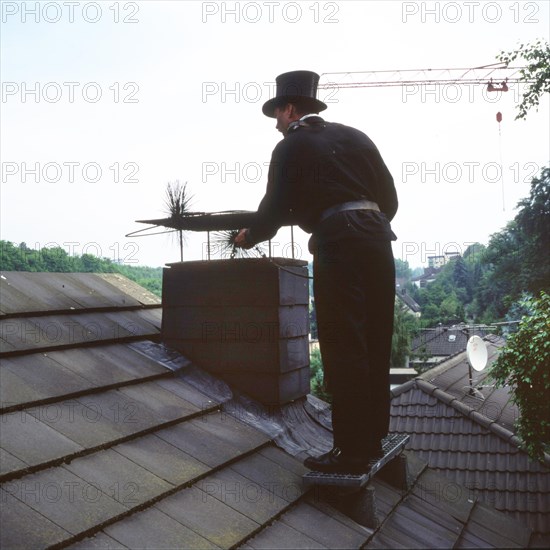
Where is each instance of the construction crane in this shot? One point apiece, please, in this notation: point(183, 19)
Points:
point(497, 77)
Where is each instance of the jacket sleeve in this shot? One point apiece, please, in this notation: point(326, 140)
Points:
point(386, 195)
point(276, 208)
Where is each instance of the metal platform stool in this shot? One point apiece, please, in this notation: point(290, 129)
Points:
point(351, 494)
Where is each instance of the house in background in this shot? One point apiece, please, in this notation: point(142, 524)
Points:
point(429, 276)
point(465, 431)
point(439, 261)
point(432, 346)
point(408, 301)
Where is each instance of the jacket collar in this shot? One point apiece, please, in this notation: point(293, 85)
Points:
point(304, 122)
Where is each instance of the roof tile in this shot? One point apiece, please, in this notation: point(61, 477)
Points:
point(209, 517)
point(322, 527)
point(65, 499)
point(32, 441)
point(101, 541)
point(475, 450)
point(119, 477)
point(155, 529)
point(281, 481)
point(193, 437)
point(281, 536)
point(149, 462)
point(446, 496)
point(432, 526)
point(162, 459)
point(23, 527)
point(247, 497)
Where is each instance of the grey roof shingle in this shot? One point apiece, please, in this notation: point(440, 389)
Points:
point(121, 443)
point(470, 440)
point(409, 301)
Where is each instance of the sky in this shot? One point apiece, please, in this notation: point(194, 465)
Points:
point(103, 103)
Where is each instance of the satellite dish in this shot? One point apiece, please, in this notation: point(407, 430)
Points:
point(476, 351)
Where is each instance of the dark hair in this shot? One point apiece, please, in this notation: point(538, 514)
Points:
point(302, 107)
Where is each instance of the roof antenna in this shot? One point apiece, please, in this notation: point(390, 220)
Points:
point(476, 352)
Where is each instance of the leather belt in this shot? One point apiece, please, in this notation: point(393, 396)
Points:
point(362, 204)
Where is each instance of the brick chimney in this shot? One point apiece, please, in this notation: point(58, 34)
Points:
point(245, 320)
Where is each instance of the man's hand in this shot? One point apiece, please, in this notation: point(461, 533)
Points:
point(240, 240)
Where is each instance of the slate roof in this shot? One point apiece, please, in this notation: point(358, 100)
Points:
point(443, 341)
point(469, 438)
point(108, 439)
point(409, 301)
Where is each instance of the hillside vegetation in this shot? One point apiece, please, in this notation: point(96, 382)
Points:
point(20, 257)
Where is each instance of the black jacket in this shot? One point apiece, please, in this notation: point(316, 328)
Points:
point(318, 165)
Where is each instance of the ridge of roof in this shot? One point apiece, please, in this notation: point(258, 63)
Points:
point(467, 411)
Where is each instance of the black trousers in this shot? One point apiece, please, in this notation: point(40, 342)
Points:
point(354, 290)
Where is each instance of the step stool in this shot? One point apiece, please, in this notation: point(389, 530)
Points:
point(351, 492)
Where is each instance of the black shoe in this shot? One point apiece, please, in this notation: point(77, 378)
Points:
point(336, 462)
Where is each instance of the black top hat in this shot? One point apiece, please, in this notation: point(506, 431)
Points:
point(295, 87)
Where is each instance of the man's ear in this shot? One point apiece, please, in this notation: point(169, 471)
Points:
point(290, 110)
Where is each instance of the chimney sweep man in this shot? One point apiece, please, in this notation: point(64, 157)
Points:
point(330, 180)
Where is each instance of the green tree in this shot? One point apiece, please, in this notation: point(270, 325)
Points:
point(55, 259)
point(516, 259)
point(524, 364)
point(404, 325)
point(533, 220)
point(450, 308)
point(402, 270)
point(461, 275)
point(316, 372)
point(536, 73)
point(443, 301)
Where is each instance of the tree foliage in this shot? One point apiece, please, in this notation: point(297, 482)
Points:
point(516, 259)
point(524, 364)
point(536, 74)
point(402, 269)
point(404, 326)
point(443, 300)
point(20, 257)
point(487, 281)
point(316, 373)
